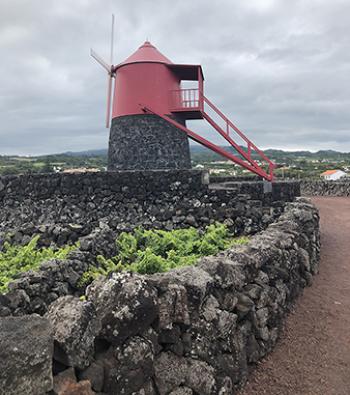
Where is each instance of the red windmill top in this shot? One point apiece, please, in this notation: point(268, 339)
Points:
point(146, 53)
point(147, 82)
point(149, 78)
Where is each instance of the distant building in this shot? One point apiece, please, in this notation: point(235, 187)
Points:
point(81, 170)
point(57, 169)
point(217, 171)
point(332, 175)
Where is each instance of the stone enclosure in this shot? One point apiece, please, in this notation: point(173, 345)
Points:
point(197, 330)
point(326, 188)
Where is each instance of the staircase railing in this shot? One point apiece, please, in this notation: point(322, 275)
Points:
point(230, 129)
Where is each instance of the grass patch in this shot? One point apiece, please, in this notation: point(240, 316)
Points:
point(154, 251)
point(15, 259)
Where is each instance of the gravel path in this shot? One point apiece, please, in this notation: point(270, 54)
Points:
point(313, 354)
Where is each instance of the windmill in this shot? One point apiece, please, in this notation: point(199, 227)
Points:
point(150, 110)
point(110, 68)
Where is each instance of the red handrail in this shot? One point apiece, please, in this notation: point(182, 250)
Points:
point(229, 124)
point(184, 99)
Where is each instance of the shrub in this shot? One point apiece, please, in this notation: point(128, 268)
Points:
point(155, 251)
point(15, 259)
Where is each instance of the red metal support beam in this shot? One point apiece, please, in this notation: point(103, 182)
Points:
point(251, 165)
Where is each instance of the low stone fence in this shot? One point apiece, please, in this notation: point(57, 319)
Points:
point(194, 330)
point(117, 197)
point(33, 204)
point(260, 190)
point(215, 178)
point(62, 208)
point(34, 291)
point(325, 188)
point(94, 208)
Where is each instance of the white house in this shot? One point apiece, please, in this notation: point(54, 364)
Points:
point(332, 175)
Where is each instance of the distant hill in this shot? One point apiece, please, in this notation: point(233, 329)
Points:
point(93, 152)
point(200, 153)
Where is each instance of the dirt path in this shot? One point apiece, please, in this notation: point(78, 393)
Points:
point(313, 354)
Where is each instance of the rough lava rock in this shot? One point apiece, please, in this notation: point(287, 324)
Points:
point(325, 188)
point(75, 326)
point(172, 372)
point(130, 367)
point(26, 351)
point(65, 383)
point(126, 304)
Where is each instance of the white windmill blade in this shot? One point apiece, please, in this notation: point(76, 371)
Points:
point(98, 58)
point(112, 38)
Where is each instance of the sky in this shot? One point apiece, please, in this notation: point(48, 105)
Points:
point(279, 69)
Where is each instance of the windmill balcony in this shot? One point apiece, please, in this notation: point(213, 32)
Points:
point(187, 102)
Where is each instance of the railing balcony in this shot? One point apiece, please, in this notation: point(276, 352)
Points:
point(185, 100)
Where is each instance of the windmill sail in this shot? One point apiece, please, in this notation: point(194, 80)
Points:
point(109, 99)
point(110, 70)
point(99, 60)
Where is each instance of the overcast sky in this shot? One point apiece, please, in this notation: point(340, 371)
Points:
point(280, 69)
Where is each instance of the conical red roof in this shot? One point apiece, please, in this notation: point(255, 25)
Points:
point(146, 53)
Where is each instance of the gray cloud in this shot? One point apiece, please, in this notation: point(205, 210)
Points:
point(278, 68)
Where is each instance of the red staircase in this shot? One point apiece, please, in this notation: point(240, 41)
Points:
point(192, 104)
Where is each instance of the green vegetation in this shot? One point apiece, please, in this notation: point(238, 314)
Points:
point(153, 251)
point(46, 164)
point(15, 259)
point(290, 164)
point(143, 251)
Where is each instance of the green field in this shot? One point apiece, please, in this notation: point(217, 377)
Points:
point(299, 164)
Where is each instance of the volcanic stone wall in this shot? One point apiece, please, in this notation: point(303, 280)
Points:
point(94, 208)
point(267, 192)
point(121, 197)
point(191, 331)
point(325, 188)
point(216, 178)
point(66, 206)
